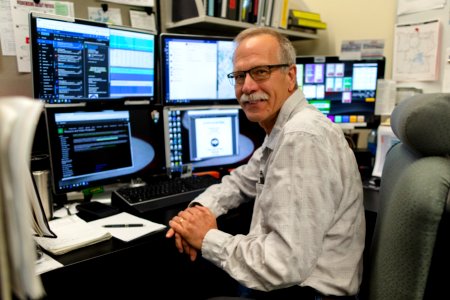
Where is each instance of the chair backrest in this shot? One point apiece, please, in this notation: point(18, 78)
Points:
point(414, 203)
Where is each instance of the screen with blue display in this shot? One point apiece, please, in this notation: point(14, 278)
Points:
point(74, 59)
point(194, 69)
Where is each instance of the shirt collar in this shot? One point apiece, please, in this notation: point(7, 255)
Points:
point(291, 106)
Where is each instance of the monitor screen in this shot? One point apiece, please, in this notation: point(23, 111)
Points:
point(209, 138)
point(194, 69)
point(92, 146)
point(74, 59)
point(344, 90)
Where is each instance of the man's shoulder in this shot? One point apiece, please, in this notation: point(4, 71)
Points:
point(308, 119)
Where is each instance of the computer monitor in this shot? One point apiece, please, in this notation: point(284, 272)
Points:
point(344, 90)
point(92, 146)
point(77, 60)
point(194, 69)
point(209, 138)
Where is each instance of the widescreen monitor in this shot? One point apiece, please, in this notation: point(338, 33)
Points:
point(344, 90)
point(194, 69)
point(209, 138)
point(77, 60)
point(92, 146)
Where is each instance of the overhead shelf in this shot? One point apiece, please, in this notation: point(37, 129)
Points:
point(208, 24)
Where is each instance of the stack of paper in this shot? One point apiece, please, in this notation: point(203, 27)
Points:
point(73, 233)
point(18, 121)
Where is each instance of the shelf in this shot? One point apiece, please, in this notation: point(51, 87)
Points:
point(207, 24)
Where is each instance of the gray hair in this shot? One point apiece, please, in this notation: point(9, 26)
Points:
point(286, 52)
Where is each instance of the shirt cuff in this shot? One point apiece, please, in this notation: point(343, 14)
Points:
point(213, 247)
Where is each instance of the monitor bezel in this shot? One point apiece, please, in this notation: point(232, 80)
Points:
point(145, 173)
point(163, 38)
point(33, 16)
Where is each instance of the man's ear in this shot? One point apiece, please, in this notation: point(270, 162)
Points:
point(292, 74)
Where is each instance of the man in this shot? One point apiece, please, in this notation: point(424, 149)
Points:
point(307, 232)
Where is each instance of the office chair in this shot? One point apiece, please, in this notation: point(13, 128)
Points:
point(410, 245)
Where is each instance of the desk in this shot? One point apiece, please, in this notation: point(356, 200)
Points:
point(143, 268)
point(151, 265)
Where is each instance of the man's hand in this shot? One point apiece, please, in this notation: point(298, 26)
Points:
point(190, 228)
point(182, 246)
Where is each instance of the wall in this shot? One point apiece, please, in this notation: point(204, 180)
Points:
point(350, 20)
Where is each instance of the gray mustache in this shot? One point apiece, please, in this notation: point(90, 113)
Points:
point(253, 97)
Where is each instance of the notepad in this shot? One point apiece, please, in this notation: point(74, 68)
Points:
point(128, 233)
point(72, 233)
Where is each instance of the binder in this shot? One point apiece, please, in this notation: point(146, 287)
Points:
point(307, 23)
point(284, 14)
point(300, 14)
point(280, 14)
point(233, 9)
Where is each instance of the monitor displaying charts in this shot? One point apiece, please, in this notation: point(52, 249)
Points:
point(344, 90)
point(76, 60)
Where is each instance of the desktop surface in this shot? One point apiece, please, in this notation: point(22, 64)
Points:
point(143, 268)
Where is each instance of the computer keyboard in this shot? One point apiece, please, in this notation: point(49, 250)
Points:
point(161, 193)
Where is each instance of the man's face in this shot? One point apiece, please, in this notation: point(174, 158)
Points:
point(268, 95)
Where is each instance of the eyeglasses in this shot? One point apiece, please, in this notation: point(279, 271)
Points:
point(258, 73)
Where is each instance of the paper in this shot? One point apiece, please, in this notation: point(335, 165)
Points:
point(416, 51)
point(385, 140)
point(412, 6)
point(141, 19)
point(446, 75)
point(18, 120)
point(73, 233)
point(6, 29)
point(133, 2)
point(20, 11)
point(127, 234)
point(111, 16)
point(362, 49)
point(386, 97)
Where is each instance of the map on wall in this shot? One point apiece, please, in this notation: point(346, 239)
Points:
point(416, 51)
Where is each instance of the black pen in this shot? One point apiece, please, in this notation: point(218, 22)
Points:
point(123, 225)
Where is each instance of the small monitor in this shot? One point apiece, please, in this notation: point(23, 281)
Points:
point(76, 60)
point(209, 138)
point(194, 69)
point(344, 90)
point(92, 146)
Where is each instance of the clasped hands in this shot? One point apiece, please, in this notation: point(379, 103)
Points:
point(189, 228)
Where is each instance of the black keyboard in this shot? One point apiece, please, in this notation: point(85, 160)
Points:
point(161, 193)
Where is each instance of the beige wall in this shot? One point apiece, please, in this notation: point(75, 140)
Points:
point(350, 20)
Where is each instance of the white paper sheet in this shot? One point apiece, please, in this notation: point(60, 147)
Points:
point(20, 11)
point(385, 140)
point(127, 234)
point(133, 2)
point(412, 6)
point(416, 51)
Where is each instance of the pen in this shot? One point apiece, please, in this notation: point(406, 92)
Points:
point(122, 225)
